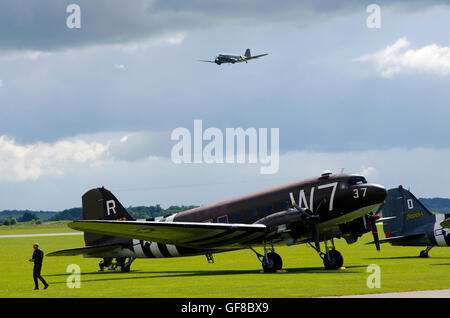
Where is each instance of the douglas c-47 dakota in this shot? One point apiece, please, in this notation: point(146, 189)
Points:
point(309, 211)
point(224, 58)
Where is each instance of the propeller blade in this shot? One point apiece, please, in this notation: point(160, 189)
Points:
point(302, 211)
point(206, 61)
point(311, 219)
point(379, 209)
point(375, 237)
point(373, 227)
point(315, 235)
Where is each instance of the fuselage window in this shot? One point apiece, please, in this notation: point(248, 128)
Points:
point(238, 217)
point(222, 219)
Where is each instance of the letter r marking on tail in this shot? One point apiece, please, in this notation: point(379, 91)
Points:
point(110, 206)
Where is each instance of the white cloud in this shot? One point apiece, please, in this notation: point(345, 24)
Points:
point(33, 161)
point(369, 172)
point(30, 55)
point(165, 40)
point(85, 161)
point(396, 59)
point(120, 67)
point(136, 165)
point(30, 162)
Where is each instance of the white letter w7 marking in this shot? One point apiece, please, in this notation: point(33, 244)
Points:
point(333, 192)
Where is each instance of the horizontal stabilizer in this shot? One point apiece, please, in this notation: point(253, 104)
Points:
point(396, 239)
point(386, 219)
point(188, 234)
point(85, 250)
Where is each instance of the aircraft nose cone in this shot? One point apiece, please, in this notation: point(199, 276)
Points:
point(378, 192)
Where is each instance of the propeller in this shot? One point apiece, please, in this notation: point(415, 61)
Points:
point(311, 218)
point(371, 220)
point(207, 61)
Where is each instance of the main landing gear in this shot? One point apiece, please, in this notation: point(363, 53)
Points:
point(121, 262)
point(332, 259)
point(271, 261)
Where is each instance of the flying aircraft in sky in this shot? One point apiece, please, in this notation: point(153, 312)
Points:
point(234, 58)
point(407, 222)
point(309, 211)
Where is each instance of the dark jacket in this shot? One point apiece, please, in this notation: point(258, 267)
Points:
point(38, 256)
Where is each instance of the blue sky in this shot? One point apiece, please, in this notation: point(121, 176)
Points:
point(372, 101)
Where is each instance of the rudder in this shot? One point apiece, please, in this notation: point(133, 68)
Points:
point(101, 204)
point(410, 213)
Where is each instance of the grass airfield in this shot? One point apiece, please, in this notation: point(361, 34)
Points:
point(233, 275)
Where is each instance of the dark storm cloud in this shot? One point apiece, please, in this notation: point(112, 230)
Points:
point(41, 25)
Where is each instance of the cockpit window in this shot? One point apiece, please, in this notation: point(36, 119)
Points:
point(355, 181)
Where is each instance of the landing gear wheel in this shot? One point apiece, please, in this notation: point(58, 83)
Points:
point(125, 268)
point(105, 263)
point(333, 260)
point(273, 264)
point(424, 253)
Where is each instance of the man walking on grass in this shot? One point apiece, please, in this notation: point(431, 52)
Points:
point(37, 258)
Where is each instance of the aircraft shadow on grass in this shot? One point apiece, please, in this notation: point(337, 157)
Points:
point(407, 257)
point(156, 274)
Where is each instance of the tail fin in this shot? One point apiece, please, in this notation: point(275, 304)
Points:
point(247, 53)
point(101, 204)
point(409, 213)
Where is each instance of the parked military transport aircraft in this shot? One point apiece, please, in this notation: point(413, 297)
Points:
point(407, 222)
point(234, 58)
point(327, 207)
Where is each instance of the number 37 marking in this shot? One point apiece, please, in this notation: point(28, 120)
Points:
point(357, 191)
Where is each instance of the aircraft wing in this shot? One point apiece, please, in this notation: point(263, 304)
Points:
point(446, 223)
point(187, 234)
point(399, 239)
point(85, 250)
point(255, 57)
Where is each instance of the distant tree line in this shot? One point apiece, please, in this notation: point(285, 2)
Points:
point(147, 212)
point(26, 217)
point(137, 212)
point(75, 214)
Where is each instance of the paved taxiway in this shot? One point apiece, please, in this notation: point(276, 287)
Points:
point(439, 293)
point(47, 234)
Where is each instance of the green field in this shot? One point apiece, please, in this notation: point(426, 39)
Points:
point(234, 274)
point(25, 228)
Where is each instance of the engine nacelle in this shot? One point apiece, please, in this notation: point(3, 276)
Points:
point(289, 223)
point(351, 231)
